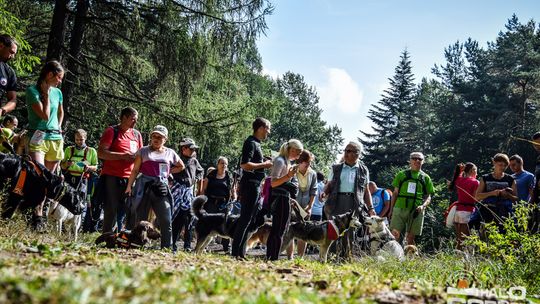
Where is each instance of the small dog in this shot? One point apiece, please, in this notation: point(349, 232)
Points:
point(381, 240)
point(260, 236)
point(213, 224)
point(411, 251)
point(137, 238)
point(320, 233)
point(61, 215)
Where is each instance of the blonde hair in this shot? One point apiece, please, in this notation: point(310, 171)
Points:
point(81, 132)
point(291, 144)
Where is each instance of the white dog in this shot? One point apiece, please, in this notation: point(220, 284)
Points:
point(381, 240)
point(62, 216)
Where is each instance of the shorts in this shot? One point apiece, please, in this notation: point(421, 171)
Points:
point(462, 217)
point(402, 221)
point(53, 149)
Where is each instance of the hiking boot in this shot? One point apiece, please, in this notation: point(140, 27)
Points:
point(38, 224)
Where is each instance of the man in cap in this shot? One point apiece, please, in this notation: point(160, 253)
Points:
point(185, 184)
point(8, 79)
point(412, 194)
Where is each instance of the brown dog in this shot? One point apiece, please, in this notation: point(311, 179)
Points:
point(260, 236)
point(137, 238)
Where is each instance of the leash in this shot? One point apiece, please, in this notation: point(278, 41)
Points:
point(495, 215)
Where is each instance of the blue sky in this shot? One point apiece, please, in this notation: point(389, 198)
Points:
point(347, 50)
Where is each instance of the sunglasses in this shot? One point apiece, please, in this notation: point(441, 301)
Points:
point(417, 158)
point(351, 151)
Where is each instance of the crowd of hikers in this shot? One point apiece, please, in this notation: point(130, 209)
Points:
point(159, 179)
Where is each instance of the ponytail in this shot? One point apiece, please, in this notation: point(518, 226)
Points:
point(457, 173)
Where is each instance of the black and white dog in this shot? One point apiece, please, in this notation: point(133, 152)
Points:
point(30, 183)
point(213, 224)
point(381, 241)
point(320, 233)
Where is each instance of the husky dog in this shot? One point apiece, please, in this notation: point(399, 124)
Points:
point(213, 224)
point(381, 240)
point(61, 215)
point(320, 233)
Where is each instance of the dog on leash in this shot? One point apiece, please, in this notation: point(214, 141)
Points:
point(62, 216)
point(138, 237)
point(30, 183)
point(213, 224)
point(323, 233)
point(381, 240)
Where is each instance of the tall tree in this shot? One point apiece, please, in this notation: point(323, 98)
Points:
point(390, 143)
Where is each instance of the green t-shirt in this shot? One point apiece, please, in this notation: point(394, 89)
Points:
point(78, 156)
point(6, 134)
point(411, 186)
point(34, 121)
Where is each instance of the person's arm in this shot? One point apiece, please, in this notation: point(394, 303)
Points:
point(425, 204)
point(312, 193)
point(278, 165)
point(64, 164)
point(204, 186)
point(178, 166)
point(368, 202)
point(104, 146)
point(42, 108)
point(393, 201)
point(531, 189)
point(60, 116)
point(134, 173)
point(10, 104)
point(200, 183)
point(386, 203)
point(481, 195)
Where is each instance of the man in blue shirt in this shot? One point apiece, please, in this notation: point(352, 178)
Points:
point(525, 180)
point(380, 199)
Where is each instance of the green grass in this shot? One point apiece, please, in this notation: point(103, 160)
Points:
point(46, 268)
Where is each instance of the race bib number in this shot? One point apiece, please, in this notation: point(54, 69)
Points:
point(133, 146)
point(411, 188)
point(38, 138)
point(352, 176)
point(163, 170)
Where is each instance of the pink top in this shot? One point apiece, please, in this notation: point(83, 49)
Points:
point(466, 190)
point(157, 164)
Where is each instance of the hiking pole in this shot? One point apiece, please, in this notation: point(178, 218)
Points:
point(525, 140)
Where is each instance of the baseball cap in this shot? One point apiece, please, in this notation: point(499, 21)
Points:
point(189, 142)
point(161, 130)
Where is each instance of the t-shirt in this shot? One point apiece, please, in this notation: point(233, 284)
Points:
point(157, 164)
point(377, 199)
point(409, 188)
point(6, 134)
point(218, 187)
point(8, 79)
point(466, 191)
point(317, 203)
point(252, 153)
point(279, 168)
point(35, 122)
point(492, 183)
point(77, 168)
point(126, 141)
point(524, 182)
point(193, 172)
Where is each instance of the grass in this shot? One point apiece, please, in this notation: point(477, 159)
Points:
point(47, 268)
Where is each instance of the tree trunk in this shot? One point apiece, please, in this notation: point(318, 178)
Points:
point(58, 30)
point(74, 56)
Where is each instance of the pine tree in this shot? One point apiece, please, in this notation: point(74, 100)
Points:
point(389, 145)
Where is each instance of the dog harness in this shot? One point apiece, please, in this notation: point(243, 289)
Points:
point(123, 241)
point(332, 231)
point(22, 178)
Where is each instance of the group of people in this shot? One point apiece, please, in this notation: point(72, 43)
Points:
point(156, 178)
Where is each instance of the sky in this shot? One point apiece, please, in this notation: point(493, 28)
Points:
point(347, 50)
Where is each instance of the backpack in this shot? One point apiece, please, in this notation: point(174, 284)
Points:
point(408, 177)
point(116, 131)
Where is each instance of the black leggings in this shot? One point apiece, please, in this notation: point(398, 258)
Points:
point(249, 199)
point(281, 214)
point(182, 220)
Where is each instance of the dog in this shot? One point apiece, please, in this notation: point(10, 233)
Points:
point(137, 238)
point(62, 216)
point(30, 183)
point(323, 233)
point(260, 236)
point(222, 224)
point(381, 241)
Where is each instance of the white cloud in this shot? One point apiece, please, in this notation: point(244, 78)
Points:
point(272, 73)
point(340, 91)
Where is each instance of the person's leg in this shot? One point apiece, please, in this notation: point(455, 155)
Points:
point(301, 248)
point(397, 223)
point(177, 224)
point(250, 195)
point(417, 225)
point(280, 221)
point(188, 231)
point(38, 157)
point(111, 202)
point(162, 208)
